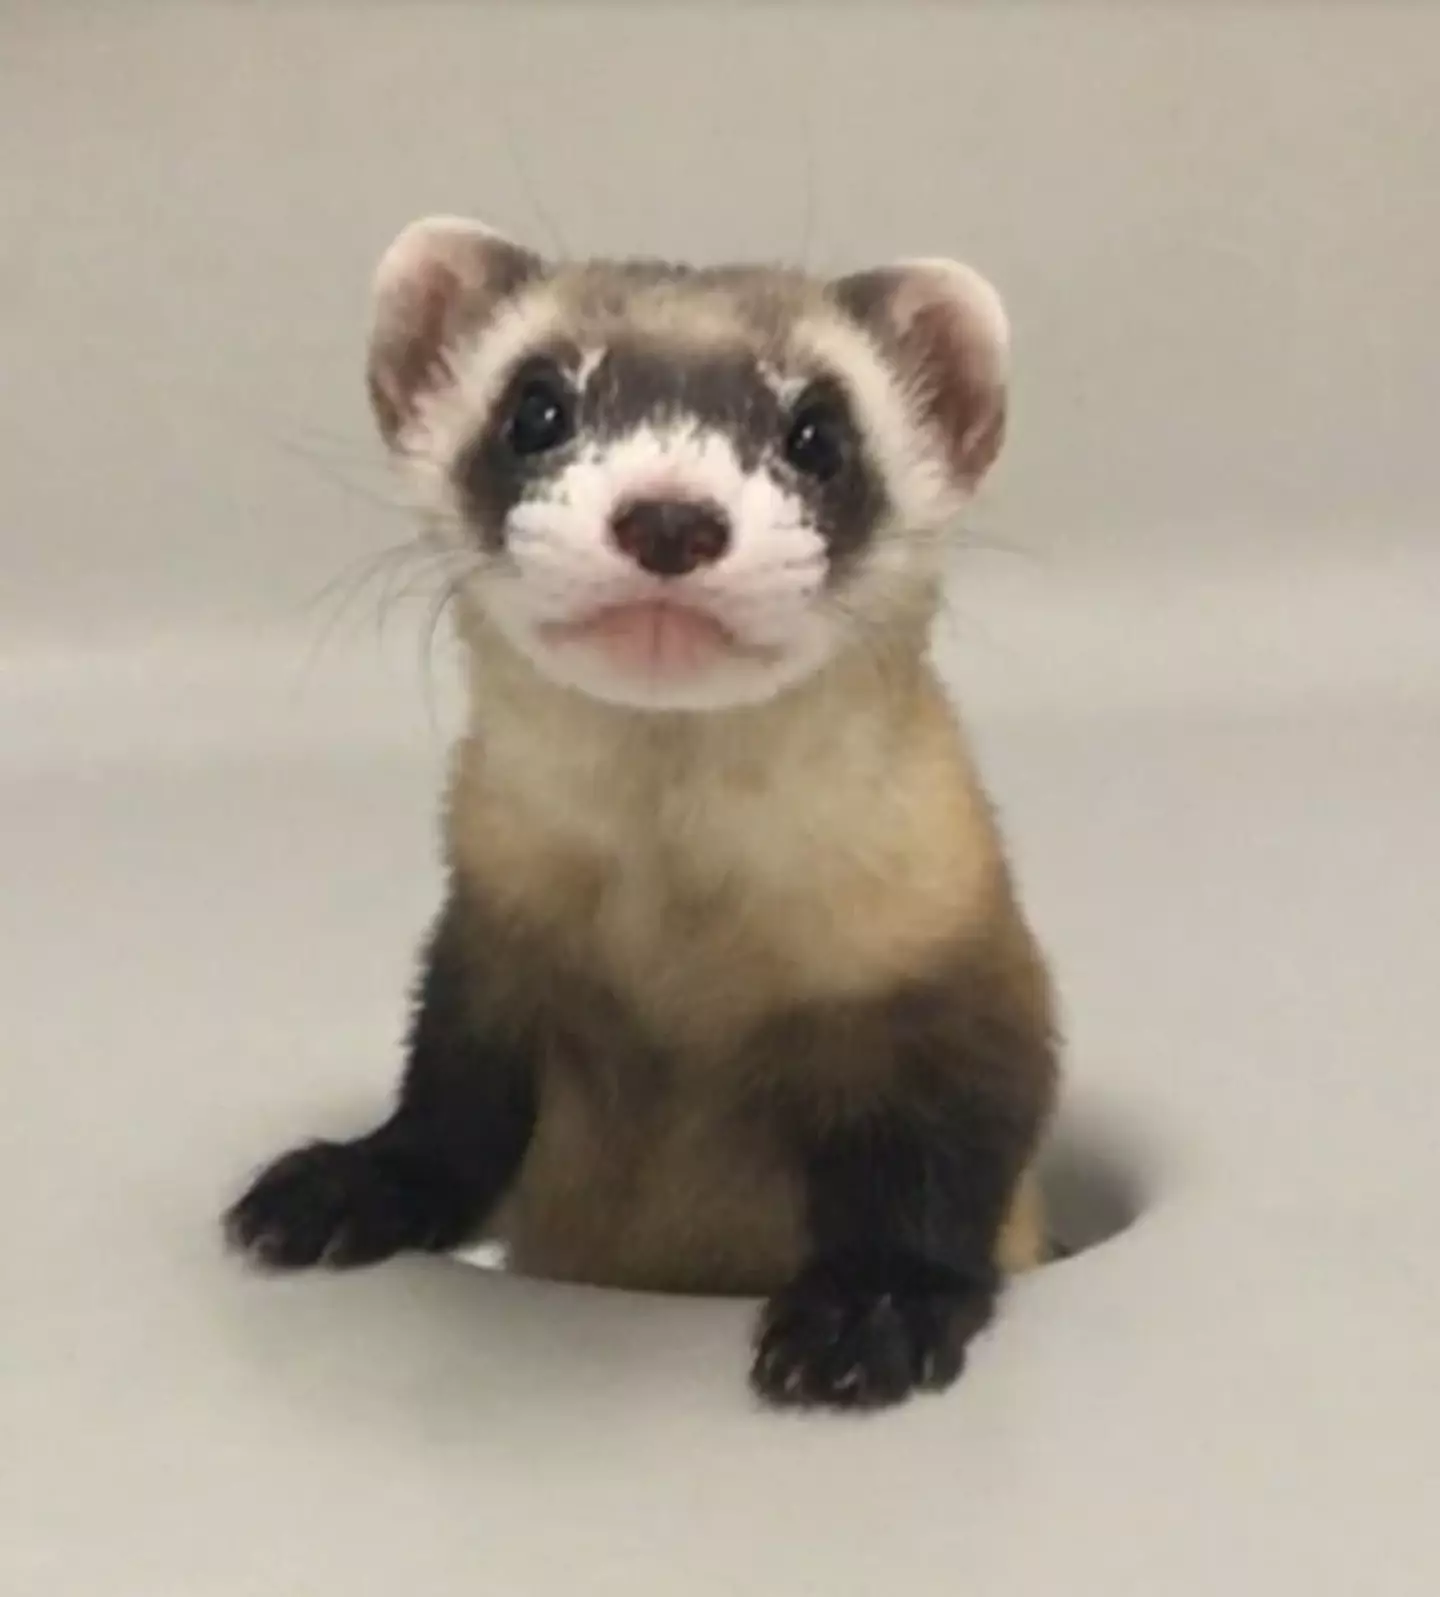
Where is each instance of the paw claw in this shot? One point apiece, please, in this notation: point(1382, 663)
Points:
point(836, 1339)
point(339, 1205)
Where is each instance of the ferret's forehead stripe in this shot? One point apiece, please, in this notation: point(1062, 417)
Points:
point(635, 386)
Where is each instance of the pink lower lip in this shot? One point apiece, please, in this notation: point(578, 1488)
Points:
point(651, 635)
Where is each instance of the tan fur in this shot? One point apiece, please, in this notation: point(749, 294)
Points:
point(1024, 1238)
point(713, 871)
point(668, 1205)
point(716, 867)
point(690, 912)
point(662, 1200)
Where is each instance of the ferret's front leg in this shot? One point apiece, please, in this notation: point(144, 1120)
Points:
point(431, 1175)
point(908, 1188)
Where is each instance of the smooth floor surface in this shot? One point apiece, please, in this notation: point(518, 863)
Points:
point(205, 948)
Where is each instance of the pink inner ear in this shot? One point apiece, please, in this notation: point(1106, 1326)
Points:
point(957, 383)
point(408, 357)
point(439, 280)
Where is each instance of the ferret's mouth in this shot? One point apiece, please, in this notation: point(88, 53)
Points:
point(651, 637)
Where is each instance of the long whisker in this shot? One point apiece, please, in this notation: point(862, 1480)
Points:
point(522, 170)
point(427, 564)
point(801, 42)
point(340, 461)
point(374, 498)
point(450, 591)
point(404, 571)
point(967, 538)
point(346, 588)
point(355, 574)
point(961, 626)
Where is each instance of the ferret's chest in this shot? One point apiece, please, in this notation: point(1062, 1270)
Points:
point(703, 913)
point(709, 893)
point(684, 895)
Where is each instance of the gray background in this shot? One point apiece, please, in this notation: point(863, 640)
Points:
point(1195, 623)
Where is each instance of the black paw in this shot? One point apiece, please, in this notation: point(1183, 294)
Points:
point(866, 1333)
point(345, 1204)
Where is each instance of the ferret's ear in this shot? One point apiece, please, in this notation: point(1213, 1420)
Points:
point(439, 281)
point(947, 331)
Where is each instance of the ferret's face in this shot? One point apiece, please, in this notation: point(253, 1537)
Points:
point(671, 489)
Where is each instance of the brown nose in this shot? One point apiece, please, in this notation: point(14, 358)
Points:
point(670, 537)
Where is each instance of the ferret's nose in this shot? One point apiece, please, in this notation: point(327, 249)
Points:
point(671, 537)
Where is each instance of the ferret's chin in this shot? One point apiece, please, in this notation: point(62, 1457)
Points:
point(723, 683)
point(723, 687)
point(658, 657)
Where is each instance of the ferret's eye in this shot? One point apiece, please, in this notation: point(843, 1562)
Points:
point(542, 414)
point(817, 440)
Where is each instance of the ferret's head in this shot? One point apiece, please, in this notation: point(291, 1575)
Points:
point(685, 489)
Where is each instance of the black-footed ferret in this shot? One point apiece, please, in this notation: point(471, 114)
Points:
point(730, 991)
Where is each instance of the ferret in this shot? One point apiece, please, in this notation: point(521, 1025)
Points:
point(730, 992)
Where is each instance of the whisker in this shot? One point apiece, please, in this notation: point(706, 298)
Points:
point(967, 540)
point(358, 571)
point(450, 591)
point(347, 587)
point(327, 471)
point(431, 559)
point(801, 38)
point(542, 212)
point(396, 593)
point(962, 627)
point(405, 571)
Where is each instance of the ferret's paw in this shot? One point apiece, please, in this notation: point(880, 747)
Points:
point(341, 1205)
point(864, 1334)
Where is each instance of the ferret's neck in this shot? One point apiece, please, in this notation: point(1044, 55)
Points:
point(862, 702)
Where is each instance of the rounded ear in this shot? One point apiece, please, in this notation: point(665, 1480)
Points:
point(946, 330)
point(440, 280)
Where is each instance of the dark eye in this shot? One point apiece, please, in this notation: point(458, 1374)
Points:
point(817, 440)
point(542, 414)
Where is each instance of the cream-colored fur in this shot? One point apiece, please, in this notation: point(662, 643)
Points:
point(713, 869)
point(815, 838)
point(1024, 1238)
point(818, 847)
